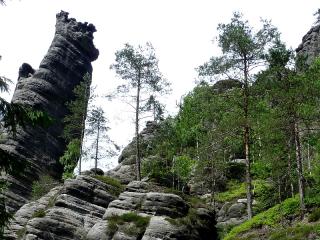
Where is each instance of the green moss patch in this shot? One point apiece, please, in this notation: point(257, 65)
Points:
point(272, 217)
point(131, 223)
point(234, 190)
point(117, 186)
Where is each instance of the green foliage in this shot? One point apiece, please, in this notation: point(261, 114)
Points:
point(70, 158)
point(234, 190)
point(140, 223)
point(314, 215)
point(117, 186)
point(74, 125)
point(272, 218)
point(39, 213)
point(102, 146)
point(298, 232)
point(21, 232)
point(138, 68)
point(157, 170)
point(182, 167)
point(42, 186)
point(75, 120)
point(265, 194)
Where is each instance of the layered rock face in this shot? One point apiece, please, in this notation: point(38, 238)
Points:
point(87, 208)
point(168, 214)
point(66, 212)
point(310, 46)
point(48, 89)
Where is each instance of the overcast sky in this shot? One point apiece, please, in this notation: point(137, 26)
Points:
point(181, 31)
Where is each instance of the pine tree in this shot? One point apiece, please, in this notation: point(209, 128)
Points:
point(74, 125)
point(243, 50)
point(139, 68)
point(97, 127)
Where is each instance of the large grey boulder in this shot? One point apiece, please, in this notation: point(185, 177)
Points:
point(48, 89)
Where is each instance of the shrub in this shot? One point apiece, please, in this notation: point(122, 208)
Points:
point(314, 215)
point(42, 186)
point(21, 232)
point(156, 169)
point(39, 213)
point(117, 186)
point(140, 223)
point(234, 190)
point(70, 158)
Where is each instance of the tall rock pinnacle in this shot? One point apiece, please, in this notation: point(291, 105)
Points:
point(48, 89)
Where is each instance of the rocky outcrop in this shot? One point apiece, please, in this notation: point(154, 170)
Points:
point(232, 214)
point(66, 212)
point(48, 89)
point(87, 208)
point(310, 46)
point(125, 171)
point(169, 217)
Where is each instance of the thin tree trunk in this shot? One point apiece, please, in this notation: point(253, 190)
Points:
point(289, 171)
point(279, 189)
point(83, 124)
point(299, 165)
point(247, 139)
point(97, 148)
point(308, 158)
point(138, 160)
point(173, 166)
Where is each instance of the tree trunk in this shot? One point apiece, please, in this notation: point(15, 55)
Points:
point(299, 165)
point(308, 158)
point(247, 139)
point(138, 160)
point(97, 148)
point(289, 172)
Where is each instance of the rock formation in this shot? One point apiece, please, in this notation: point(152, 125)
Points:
point(66, 212)
point(310, 46)
point(125, 171)
point(48, 89)
point(85, 208)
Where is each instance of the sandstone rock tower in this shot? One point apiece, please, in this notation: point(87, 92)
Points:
point(48, 89)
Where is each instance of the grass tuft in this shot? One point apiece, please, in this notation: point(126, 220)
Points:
point(39, 214)
point(117, 186)
point(131, 222)
point(42, 186)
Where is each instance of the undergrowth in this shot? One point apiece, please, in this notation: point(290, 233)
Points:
point(131, 223)
point(117, 186)
point(42, 186)
point(272, 218)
